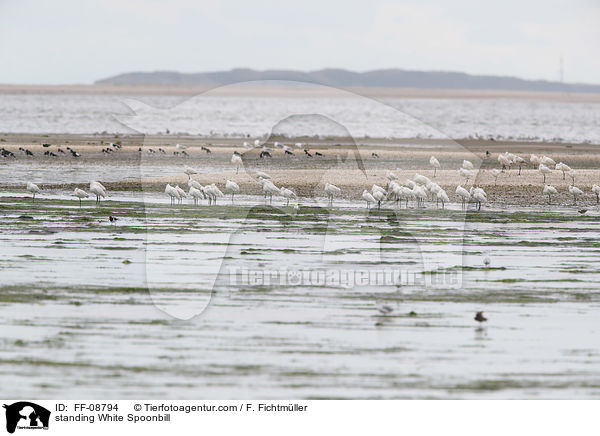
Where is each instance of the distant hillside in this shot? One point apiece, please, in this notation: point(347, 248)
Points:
point(393, 78)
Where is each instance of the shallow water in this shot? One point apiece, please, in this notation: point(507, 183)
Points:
point(210, 115)
point(87, 307)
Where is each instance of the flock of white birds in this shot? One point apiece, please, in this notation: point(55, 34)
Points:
point(418, 189)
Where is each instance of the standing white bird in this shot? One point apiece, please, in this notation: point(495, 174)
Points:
point(237, 161)
point(270, 189)
point(331, 191)
point(467, 165)
point(575, 192)
point(391, 176)
point(535, 160)
point(34, 189)
point(420, 195)
point(196, 194)
point(173, 193)
point(544, 170)
point(288, 194)
point(463, 194)
point(366, 195)
point(182, 193)
point(443, 197)
point(80, 193)
point(478, 195)
point(495, 173)
point(596, 190)
point(563, 167)
point(378, 194)
point(547, 161)
point(504, 160)
point(549, 190)
point(213, 193)
point(519, 161)
point(572, 174)
point(180, 147)
point(466, 174)
point(97, 189)
point(189, 171)
point(435, 164)
point(257, 142)
point(232, 188)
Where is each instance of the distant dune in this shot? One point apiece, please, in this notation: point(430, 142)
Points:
point(392, 78)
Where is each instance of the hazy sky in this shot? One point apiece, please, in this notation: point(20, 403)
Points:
point(79, 41)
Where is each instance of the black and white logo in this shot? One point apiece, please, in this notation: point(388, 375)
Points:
point(26, 415)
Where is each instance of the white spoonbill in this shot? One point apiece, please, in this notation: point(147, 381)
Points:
point(97, 189)
point(189, 171)
point(549, 190)
point(237, 161)
point(213, 193)
point(421, 180)
point(544, 170)
point(366, 195)
point(196, 194)
point(262, 175)
point(270, 189)
point(572, 174)
point(596, 191)
point(288, 194)
point(375, 188)
point(575, 192)
point(467, 165)
point(479, 196)
point(435, 164)
point(548, 161)
point(443, 197)
point(420, 195)
point(504, 161)
point(173, 193)
point(391, 176)
point(80, 193)
point(180, 147)
point(519, 161)
point(331, 191)
point(466, 174)
point(182, 193)
point(563, 167)
point(535, 160)
point(495, 173)
point(232, 188)
point(34, 189)
point(378, 195)
point(463, 194)
point(194, 184)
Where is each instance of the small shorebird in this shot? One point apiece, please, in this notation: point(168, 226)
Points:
point(479, 317)
point(385, 309)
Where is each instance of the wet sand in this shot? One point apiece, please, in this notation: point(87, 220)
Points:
point(348, 164)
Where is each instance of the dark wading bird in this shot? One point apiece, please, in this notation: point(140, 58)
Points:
point(479, 317)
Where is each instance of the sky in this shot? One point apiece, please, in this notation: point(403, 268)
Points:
point(78, 42)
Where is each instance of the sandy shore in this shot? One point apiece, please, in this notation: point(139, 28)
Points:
point(294, 91)
point(351, 166)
